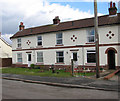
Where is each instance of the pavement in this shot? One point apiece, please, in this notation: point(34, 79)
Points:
point(72, 82)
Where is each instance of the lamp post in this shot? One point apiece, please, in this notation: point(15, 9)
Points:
point(96, 39)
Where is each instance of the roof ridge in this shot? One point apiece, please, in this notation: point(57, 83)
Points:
point(63, 22)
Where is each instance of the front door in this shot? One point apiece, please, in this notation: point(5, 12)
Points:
point(111, 59)
point(75, 56)
point(29, 60)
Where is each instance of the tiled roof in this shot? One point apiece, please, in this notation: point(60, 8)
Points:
point(76, 24)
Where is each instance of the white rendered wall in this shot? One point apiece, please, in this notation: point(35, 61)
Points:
point(5, 50)
point(103, 31)
point(49, 40)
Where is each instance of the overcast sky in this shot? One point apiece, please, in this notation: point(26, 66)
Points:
point(41, 12)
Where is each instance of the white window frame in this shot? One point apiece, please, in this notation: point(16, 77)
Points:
point(58, 39)
point(19, 43)
point(89, 35)
point(40, 57)
point(90, 52)
point(19, 56)
point(58, 57)
point(39, 41)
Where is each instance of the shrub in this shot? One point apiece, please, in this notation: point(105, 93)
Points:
point(37, 67)
point(101, 69)
point(32, 65)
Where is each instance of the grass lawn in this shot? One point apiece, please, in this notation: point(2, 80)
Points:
point(39, 72)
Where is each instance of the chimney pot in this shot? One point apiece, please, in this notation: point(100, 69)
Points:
point(111, 4)
point(21, 23)
point(114, 5)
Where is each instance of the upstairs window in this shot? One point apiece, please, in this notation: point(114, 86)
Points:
point(59, 39)
point(60, 57)
point(19, 57)
point(91, 35)
point(40, 57)
point(91, 56)
point(19, 42)
point(39, 40)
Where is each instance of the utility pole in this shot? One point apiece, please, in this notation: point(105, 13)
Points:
point(96, 39)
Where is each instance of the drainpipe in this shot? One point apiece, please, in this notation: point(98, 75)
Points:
point(83, 56)
point(34, 57)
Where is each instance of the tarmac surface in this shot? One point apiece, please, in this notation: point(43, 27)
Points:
point(22, 90)
point(74, 82)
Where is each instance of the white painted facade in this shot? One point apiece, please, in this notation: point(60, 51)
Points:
point(5, 49)
point(49, 47)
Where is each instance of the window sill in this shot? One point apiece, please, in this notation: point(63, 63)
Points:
point(59, 45)
point(19, 63)
point(19, 48)
point(59, 63)
point(39, 63)
point(90, 43)
point(40, 46)
point(90, 64)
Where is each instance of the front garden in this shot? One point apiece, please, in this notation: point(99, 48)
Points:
point(45, 73)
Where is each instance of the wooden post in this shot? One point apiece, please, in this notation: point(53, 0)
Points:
point(72, 65)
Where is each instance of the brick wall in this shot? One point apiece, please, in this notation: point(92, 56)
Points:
point(67, 67)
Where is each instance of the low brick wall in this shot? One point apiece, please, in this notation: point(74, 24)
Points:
point(111, 75)
point(19, 65)
point(5, 62)
point(67, 67)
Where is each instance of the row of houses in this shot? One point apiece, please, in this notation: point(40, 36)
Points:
point(56, 44)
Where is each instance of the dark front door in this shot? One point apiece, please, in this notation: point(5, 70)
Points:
point(75, 56)
point(29, 60)
point(111, 59)
point(29, 57)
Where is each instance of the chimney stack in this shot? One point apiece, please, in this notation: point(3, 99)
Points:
point(112, 9)
point(21, 26)
point(56, 20)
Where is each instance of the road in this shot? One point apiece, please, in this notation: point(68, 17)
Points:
point(21, 90)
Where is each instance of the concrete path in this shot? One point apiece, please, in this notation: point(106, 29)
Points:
point(76, 82)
